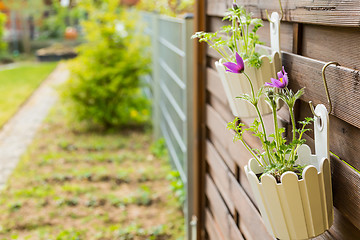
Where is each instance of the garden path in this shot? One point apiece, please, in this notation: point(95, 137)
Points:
point(19, 131)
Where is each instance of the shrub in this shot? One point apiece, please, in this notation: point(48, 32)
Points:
point(104, 87)
point(167, 7)
point(3, 45)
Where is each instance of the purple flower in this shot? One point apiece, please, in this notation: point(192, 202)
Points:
point(235, 6)
point(237, 67)
point(281, 82)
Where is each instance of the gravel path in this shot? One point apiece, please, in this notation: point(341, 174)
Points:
point(19, 131)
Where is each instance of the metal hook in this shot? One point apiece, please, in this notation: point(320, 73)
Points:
point(281, 9)
point(326, 89)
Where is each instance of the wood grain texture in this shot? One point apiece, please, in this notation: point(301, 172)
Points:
point(219, 173)
point(199, 91)
point(332, 44)
point(342, 136)
point(220, 212)
point(346, 190)
point(319, 44)
point(212, 228)
point(343, 84)
point(343, 228)
point(322, 12)
point(250, 220)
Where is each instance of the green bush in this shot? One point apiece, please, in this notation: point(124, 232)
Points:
point(60, 17)
point(171, 8)
point(104, 87)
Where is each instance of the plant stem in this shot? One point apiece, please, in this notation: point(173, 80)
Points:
point(300, 136)
point(234, 34)
point(251, 152)
point(276, 128)
point(292, 122)
point(260, 117)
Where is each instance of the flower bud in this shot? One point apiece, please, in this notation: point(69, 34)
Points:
point(235, 6)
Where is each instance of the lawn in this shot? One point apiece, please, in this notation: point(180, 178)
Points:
point(73, 184)
point(17, 85)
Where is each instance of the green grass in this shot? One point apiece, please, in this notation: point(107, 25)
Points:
point(91, 185)
point(17, 85)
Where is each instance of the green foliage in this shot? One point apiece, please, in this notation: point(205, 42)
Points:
point(69, 235)
point(177, 186)
point(104, 88)
point(60, 17)
point(241, 37)
point(3, 45)
point(277, 155)
point(167, 7)
point(158, 148)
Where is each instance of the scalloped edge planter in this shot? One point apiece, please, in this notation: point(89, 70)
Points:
point(298, 209)
point(237, 84)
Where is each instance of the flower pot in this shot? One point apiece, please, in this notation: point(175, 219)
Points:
point(237, 84)
point(298, 209)
point(71, 33)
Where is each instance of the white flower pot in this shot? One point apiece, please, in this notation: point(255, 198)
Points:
point(236, 84)
point(298, 209)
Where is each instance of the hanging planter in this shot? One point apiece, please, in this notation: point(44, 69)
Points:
point(293, 208)
point(237, 84)
point(292, 187)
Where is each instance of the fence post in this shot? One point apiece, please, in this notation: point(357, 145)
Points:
point(188, 30)
point(155, 75)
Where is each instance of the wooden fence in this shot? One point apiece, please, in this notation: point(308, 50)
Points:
point(312, 33)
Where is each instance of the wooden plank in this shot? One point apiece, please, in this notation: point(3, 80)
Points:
point(251, 224)
point(198, 122)
point(234, 230)
point(231, 164)
point(332, 44)
point(343, 84)
point(217, 125)
point(344, 93)
point(239, 151)
point(212, 228)
point(346, 190)
point(297, 38)
point(215, 87)
point(343, 228)
point(219, 173)
point(219, 210)
point(323, 12)
point(342, 137)
point(324, 236)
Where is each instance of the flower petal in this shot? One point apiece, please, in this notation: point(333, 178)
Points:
point(269, 84)
point(232, 67)
point(276, 83)
point(285, 79)
point(240, 62)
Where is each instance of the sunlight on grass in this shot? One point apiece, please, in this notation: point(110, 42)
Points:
point(91, 185)
point(17, 85)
